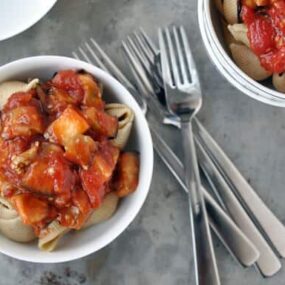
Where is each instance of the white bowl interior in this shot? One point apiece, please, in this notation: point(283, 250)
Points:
point(78, 244)
point(212, 34)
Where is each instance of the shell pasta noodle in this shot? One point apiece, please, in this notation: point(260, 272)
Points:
point(11, 224)
point(63, 163)
point(125, 121)
point(257, 41)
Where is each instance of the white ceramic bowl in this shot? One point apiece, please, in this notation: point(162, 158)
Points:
point(82, 243)
point(211, 31)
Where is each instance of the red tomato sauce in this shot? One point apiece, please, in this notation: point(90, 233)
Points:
point(266, 33)
point(50, 167)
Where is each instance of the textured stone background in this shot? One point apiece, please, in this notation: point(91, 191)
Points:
point(156, 248)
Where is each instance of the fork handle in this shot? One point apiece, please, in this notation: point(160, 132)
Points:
point(226, 230)
point(257, 209)
point(204, 257)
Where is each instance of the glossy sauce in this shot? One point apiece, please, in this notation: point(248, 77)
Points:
point(266, 33)
point(50, 168)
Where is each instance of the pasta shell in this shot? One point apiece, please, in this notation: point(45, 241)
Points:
point(239, 32)
point(228, 37)
point(279, 82)
point(31, 84)
point(6, 210)
point(219, 5)
point(11, 224)
point(14, 229)
point(50, 236)
point(125, 118)
point(231, 8)
point(105, 211)
point(9, 87)
point(248, 62)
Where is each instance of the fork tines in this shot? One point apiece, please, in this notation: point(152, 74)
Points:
point(179, 66)
point(142, 48)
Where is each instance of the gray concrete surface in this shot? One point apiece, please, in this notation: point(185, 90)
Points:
point(156, 248)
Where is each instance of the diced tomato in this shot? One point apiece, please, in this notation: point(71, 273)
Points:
point(92, 92)
point(266, 32)
point(127, 174)
point(99, 173)
point(261, 34)
point(32, 210)
point(68, 81)
point(80, 149)
point(69, 125)
point(101, 122)
point(22, 121)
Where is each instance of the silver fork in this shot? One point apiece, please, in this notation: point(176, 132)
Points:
point(225, 178)
point(226, 230)
point(183, 98)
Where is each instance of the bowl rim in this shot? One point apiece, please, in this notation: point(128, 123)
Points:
point(227, 67)
point(145, 172)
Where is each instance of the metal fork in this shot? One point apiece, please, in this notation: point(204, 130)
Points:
point(223, 176)
point(184, 99)
point(140, 43)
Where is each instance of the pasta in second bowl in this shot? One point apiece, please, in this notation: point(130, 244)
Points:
point(218, 39)
point(111, 218)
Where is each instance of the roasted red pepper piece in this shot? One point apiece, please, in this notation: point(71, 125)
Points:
point(51, 175)
point(32, 210)
point(68, 81)
point(58, 100)
point(99, 173)
point(92, 92)
point(127, 174)
point(65, 128)
point(19, 99)
point(101, 122)
point(80, 150)
point(22, 121)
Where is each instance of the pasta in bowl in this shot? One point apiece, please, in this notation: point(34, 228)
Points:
point(65, 160)
point(257, 44)
point(225, 36)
